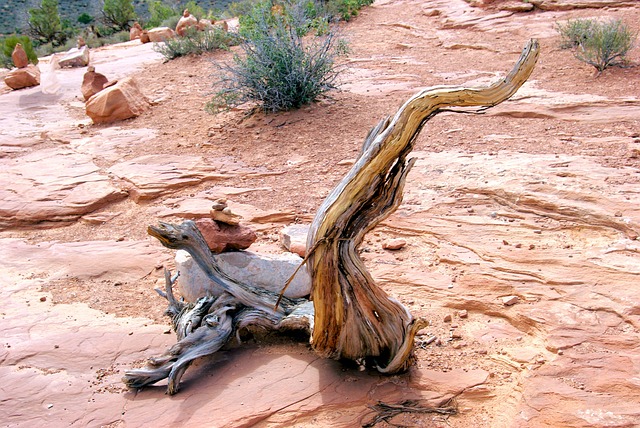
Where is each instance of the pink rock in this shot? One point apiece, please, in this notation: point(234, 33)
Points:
point(23, 77)
point(144, 37)
point(118, 102)
point(160, 34)
point(19, 56)
point(136, 31)
point(92, 83)
point(294, 238)
point(185, 22)
point(224, 237)
point(510, 300)
point(204, 24)
point(463, 313)
point(394, 244)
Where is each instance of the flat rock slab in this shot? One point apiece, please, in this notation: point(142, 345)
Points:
point(546, 230)
point(52, 186)
point(123, 260)
point(153, 175)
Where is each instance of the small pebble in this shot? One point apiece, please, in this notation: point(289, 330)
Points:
point(448, 318)
point(394, 244)
point(43, 299)
point(463, 313)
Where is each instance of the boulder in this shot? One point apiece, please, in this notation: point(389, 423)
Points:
point(136, 31)
point(19, 57)
point(92, 83)
point(75, 58)
point(269, 272)
point(118, 102)
point(204, 24)
point(160, 34)
point(23, 77)
point(222, 237)
point(144, 37)
point(185, 22)
point(294, 238)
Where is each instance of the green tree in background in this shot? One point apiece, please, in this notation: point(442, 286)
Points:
point(45, 23)
point(119, 14)
point(159, 12)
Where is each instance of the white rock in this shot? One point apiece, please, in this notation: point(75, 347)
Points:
point(294, 238)
point(269, 272)
point(510, 300)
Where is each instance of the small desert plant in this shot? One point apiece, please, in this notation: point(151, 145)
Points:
point(574, 32)
point(196, 42)
point(8, 45)
point(346, 9)
point(280, 68)
point(600, 44)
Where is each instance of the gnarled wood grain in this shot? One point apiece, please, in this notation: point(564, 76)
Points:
point(354, 319)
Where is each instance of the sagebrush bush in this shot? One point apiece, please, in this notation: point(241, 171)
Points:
point(279, 68)
point(600, 44)
point(196, 42)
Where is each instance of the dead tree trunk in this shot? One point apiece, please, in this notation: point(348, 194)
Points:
point(353, 318)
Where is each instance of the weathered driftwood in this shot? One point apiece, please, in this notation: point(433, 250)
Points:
point(205, 327)
point(352, 318)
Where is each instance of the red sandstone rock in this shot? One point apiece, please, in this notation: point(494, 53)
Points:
point(185, 22)
point(118, 102)
point(92, 83)
point(144, 37)
point(23, 77)
point(19, 57)
point(224, 237)
point(160, 34)
point(136, 31)
point(394, 244)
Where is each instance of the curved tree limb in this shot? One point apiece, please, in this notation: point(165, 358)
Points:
point(354, 319)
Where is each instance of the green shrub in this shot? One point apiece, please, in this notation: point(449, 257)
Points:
point(280, 69)
point(600, 44)
point(119, 14)
point(240, 8)
point(159, 12)
point(8, 45)
point(85, 19)
point(574, 32)
point(196, 42)
point(345, 9)
point(171, 22)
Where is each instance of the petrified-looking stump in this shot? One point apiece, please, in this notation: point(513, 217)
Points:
point(352, 318)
